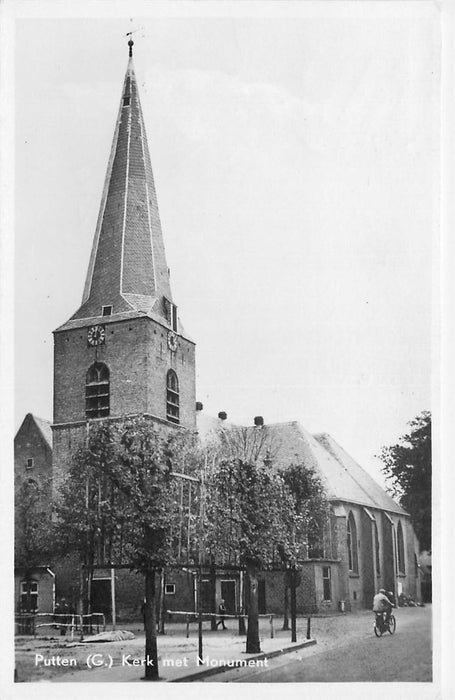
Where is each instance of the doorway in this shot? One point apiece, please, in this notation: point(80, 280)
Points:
point(228, 595)
point(100, 597)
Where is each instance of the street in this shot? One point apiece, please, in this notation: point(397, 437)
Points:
point(405, 656)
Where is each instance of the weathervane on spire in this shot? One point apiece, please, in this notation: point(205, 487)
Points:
point(130, 44)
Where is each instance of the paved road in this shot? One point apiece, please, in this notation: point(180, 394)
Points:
point(405, 656)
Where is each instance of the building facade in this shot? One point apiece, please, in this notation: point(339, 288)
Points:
point(125, 352)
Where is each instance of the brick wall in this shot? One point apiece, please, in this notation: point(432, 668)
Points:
point(411, 553)
point(368, 558)
point(388, 555)
point(138, 359)
point(29, 443)
point(341, 553)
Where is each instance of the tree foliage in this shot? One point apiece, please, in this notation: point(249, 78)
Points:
point(407, 467)
point(311, 510)
point(33, 542)
point(248, 513)
point(120, 503)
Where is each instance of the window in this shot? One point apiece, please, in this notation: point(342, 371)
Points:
point(172, 397)
point(29, 595)
point(30, 463)
point(171, 314)
point(376, 548)
point(169, 588)
point(97, 391)
point(106, 310)
point(326, 582)
point(126, 100)
point(400, 548)
point(352, 545)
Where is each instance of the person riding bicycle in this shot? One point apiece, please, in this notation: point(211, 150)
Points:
point(382, 604)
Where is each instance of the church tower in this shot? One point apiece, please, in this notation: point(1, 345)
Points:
point(124, 351)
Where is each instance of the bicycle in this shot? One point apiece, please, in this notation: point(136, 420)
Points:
point(381, 624)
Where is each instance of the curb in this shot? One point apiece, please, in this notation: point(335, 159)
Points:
point(256, 657)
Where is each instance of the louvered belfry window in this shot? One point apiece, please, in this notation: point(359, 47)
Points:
point(172, 397)
point(97, 391)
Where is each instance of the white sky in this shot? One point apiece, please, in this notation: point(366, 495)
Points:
point(296, 160)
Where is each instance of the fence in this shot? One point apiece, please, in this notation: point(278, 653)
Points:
point(194, 617)
point(28, 623)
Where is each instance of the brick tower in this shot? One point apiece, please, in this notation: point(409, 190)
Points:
point(124, 351)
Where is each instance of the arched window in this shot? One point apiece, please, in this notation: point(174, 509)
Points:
point(352, 544)
point(400, 547)
point(376, 548)
point(172, 397)
point(97, 391)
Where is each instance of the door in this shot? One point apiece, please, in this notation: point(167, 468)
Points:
point(101, 597)
point(228, 595)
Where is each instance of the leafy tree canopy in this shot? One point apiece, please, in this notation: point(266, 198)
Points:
point(407, 467)
point(32, 543)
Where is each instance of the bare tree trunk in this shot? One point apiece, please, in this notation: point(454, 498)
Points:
point(213, 593)
point(151, 649)
point(253, 645)
point(286, 602)
point(162, 603)
point(242, 627)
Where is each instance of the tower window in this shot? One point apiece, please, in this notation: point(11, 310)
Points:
point(172, 397)
point(106, 310)
point(171, 314)
point(30, 463)
point(97, 391)
point(126, 101)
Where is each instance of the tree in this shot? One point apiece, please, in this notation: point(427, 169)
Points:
point(311, 518)
point(407, 466)
point(247, 520)
point(120, 503)
point(32, 543)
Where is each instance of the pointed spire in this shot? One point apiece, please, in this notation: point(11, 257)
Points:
point(127, 268)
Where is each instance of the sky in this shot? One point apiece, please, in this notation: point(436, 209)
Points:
point(295, 150)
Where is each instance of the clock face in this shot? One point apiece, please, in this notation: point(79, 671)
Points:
point(172, 341)
point(96, 335)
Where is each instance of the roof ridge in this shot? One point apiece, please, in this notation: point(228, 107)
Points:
point(364, 472)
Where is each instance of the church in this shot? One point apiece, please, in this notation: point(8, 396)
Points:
point(124, 351)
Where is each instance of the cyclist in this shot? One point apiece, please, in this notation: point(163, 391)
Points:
point(382, 604)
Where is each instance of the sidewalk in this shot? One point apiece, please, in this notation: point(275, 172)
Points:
point(181, 664)
point(122, 662)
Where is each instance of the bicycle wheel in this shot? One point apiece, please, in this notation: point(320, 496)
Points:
point(377, 630)
point(392, 624)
